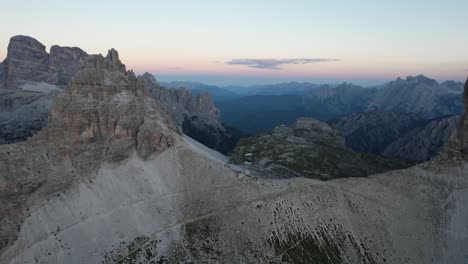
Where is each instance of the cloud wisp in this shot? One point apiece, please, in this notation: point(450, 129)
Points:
point(275, 64)
point(466, 69)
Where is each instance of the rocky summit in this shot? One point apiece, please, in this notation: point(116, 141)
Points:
point(309, 148)
point(28, 61)
point(29, 80)
point(111, 180)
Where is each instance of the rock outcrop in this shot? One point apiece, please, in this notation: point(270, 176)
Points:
point(27, 61)
point(425, 142)
point(29, 80)
point(104, 115)
point(195, 114)
point(373, 131)
point(309, 149)
point(107, 106)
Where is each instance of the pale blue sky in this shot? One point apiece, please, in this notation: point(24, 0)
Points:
point(373, 40)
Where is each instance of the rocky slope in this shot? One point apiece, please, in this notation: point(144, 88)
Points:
point(183, 204)
point(373, 131)
point(420, 95)
point(328, 102)
point(424, 143)
point(195, 113)
point(397, 135)
point(309, 149)
point(29, 79)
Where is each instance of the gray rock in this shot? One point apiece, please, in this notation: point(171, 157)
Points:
point(424, 143)
point(195, 114)
point(373, 131)
point(29, 79)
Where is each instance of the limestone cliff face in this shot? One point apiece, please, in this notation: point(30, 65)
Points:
point(28, 61)
point(106, 108)
point(181, 102)
point(29, 80)
point(103, 116)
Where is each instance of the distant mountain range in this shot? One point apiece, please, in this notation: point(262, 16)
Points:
point(425, 98)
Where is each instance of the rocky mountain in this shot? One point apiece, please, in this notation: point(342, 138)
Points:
point(123, 186)
point(28, 63)
point(218, 93)
point(32, 78)
point(195, 113)
point(328, 102)
point(419, 95)
point(424, 143)
point(29, 79)
point(397, 135)
point(309, 148)
point(373, 131)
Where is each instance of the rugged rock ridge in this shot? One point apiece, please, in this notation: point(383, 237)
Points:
point(398, 135)
point(28, 61)
point(327, 102)
point(426, 142)
point(104, 115)
point(373, 131)
point(418, 95)
point(107, 106)
point(310, 149)
point(195, 114)
point(29, 80)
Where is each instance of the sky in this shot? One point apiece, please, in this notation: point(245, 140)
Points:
point(251, 42)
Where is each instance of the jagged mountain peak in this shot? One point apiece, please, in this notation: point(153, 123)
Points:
point(25, 42)
point(27, 62)
point(110, 63)
point(150, 77)
point(105, 105)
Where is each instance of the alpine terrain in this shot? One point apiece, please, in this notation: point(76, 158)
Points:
point(112, 179)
